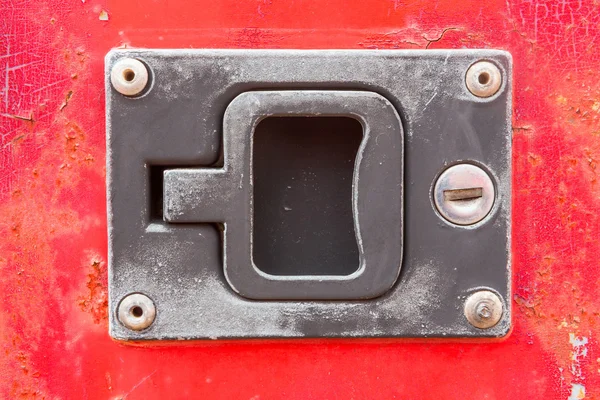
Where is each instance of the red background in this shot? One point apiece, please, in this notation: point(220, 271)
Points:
point(53, 306)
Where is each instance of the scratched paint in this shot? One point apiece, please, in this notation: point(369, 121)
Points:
point(53, 330)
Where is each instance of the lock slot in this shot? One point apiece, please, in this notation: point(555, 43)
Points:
point(463, 194)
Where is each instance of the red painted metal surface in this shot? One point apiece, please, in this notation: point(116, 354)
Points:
point(53, 317)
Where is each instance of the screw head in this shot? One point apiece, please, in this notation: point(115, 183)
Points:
point(464, 194)
point(483, 309)
point(136, 311)
point(483, 79)
point(129, 76)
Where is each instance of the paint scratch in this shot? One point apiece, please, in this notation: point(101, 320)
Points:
point(144, 379)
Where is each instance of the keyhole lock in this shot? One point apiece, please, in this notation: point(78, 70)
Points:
point(464, 194)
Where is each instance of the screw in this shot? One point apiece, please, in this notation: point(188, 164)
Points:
point(464, 194)
point(483, 309)
point(483, 79)
point(129, 76)
point(136, 311)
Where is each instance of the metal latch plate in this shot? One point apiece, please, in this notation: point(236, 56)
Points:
point(172, 249)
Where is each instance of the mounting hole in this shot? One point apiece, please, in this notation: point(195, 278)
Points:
point(484, 78)
point(137, 311)
point(129, 75)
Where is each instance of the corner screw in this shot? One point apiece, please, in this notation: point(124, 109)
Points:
point(136, 311)
point(483, 79)
point(129, 76)
point(483, 309)
point(464, 194)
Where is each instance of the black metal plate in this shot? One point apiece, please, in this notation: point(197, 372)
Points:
point(178, 124)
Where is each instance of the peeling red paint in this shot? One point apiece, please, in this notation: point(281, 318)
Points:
point(53, 336)
point(556, 194)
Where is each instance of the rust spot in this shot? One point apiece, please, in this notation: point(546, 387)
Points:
point(67, 98)
point(95, 301)
point(523, 302)
point(534, 159)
